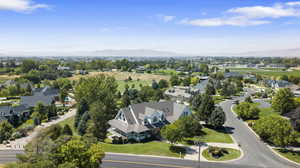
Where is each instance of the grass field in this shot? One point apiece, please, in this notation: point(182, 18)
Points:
point(166, 72)
point(125, 75)
point(291, 155)
point(218, 99)
point(267, 112)
point(4, 78)
point(136, 83)
point(150, 148)
point(232, 154)
point(210, 135)
point(276, 72)
point(70, 122)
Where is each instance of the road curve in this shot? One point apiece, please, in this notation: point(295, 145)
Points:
point(256, 152)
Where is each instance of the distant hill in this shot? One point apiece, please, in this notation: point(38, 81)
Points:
point(274, 53)
point(132, 52)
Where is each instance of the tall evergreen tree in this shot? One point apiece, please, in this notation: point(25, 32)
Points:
point(217, 118)
point(206, 108)
point(82, 107)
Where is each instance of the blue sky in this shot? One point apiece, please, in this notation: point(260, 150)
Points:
point(183, 26)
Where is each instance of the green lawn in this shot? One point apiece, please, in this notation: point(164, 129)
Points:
point(70, 122)
point(218, 99)
point(291, 155)
point(166, 72)
point(232, 154)
point(136, 83)
point(210, 135)
point(267, 112)
point(268, 72)
point(150, 148)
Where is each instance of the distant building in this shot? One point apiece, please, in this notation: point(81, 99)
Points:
point(140, 69)
point(232, 75)
point(200, 87)
point(178, 93)
point(63, 68)
point(141, 121)
point(277, 84)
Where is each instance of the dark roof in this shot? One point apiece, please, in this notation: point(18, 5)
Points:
point(232, 74)
point(45, 95)
point(5, 111)
point(295, 114)
point(201, 86)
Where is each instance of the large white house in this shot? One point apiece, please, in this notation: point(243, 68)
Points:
point(140, 121)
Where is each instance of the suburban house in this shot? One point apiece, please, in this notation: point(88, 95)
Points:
point(294, 117)
point(277, 84)
point(200, 87)
point(45, 95)
point(141, 121)
point(232, 75)
point(63, 68)
point(179, 93)
point(250, 77)
point(6, 112)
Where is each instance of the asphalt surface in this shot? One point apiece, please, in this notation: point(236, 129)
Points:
point(125, 161)
point(255, 151)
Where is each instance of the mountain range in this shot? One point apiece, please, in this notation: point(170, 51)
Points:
point(295, 52)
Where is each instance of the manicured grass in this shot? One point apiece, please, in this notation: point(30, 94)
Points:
point(218, 99)
point(70, 122)
point(232, 154)
point(268, 72)
point(267, 112)
point(136, 83)
point(149, 148)
point(166, 72)
point(210, 135)
point(291, 155)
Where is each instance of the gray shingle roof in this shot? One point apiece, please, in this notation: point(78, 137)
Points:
point(135, 114)
point(45, 95)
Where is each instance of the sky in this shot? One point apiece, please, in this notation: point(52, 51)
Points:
point(181, 26)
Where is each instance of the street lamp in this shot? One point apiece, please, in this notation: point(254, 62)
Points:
point(198, 143)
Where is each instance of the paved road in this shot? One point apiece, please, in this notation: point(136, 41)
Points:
point(125, 161)
point(256, 153)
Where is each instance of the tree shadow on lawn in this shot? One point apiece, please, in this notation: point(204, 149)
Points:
point(177, 149)
point(225, 130)
point(295, 153)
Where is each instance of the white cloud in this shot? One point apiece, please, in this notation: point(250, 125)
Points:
point(293, 3)
point(168, 18)
point(275, 11)
point(249, 16)
point(21, 5)
point(165, 18)
point(232, 21)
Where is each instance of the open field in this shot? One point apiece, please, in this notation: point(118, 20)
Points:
point(8, 77)
point(135, 83)
point(232, 154)
point(125, 75)
point(276, 72)
point(149, 148)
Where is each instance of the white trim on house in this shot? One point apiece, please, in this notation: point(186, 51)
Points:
point(137, 122)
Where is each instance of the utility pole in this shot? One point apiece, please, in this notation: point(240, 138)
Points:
point(198, 143)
